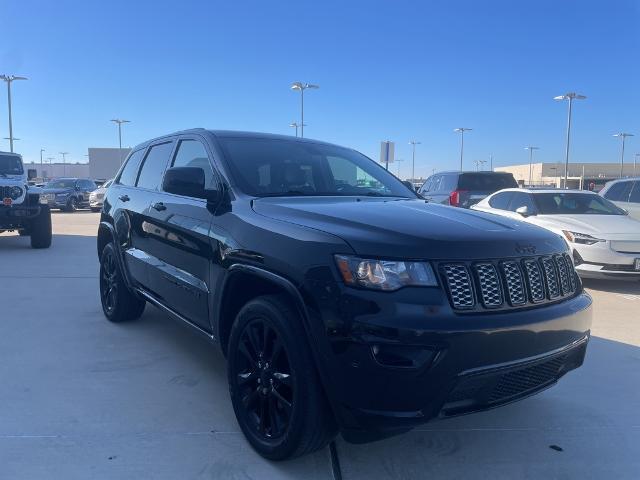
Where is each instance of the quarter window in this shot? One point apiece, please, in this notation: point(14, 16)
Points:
point(130, 171)
point(191, 153)
point(154, 165)
point(501, 200)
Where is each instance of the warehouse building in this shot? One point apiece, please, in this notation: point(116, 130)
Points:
point(103, 164)
point(591, 176)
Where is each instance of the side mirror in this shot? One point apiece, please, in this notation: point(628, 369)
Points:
point(524, 211)
point(409, 185)
point(189, 182)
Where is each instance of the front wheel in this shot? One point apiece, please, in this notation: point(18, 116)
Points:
point(275, 390)
point(119, 304)
point(72, 205)
point(40, 229)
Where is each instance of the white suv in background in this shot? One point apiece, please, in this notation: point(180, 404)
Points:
point(625, 193)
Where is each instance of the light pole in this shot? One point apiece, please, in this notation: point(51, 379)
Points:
point(413, 144)
point(398, 160)
point(571, 96)
point(635, 159)
point(461, 131)
point(302, 87)
point(64, 163)
point(491, 162)
point(296, 125)
point(623, 136)
point(9, 79)
point(41, 150)
point(120, 121)
point(531, 149)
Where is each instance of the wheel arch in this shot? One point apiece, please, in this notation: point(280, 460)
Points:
point(107, 234)
point(244, 283)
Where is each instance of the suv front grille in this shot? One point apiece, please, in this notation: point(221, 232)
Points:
point(509, 283)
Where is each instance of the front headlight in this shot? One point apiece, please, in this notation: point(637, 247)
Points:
point(581, 238)
point(385, 274)
point(43, 199)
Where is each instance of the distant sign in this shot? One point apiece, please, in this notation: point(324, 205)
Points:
point(387, 150)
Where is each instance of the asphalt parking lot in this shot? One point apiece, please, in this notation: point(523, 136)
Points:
point(82, 398)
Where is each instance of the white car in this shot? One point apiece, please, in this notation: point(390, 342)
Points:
point(604, 239)
point(625, 193)
point(97, 196)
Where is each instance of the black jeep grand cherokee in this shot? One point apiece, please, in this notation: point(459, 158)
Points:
point(341, 300)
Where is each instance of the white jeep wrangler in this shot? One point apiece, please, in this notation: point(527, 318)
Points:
point(22, 207)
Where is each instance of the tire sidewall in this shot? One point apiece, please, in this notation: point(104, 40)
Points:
point(298, 362)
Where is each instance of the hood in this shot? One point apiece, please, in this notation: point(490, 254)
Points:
point(602, 226)
point(57, 190)
point(12, 180)
point(412, 228)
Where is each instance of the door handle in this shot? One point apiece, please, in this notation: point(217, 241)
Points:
point(124, 198)
point(159, 206)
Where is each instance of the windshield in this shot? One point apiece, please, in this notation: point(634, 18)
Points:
point(574, 204)
point(265, 167)
point(10, 165)
point(61, 184)
point(486, 182)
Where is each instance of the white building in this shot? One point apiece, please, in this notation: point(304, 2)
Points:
point(47, 171)
point(105, 162)
point(580, 175)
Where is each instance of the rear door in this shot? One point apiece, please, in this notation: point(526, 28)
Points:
point(178, 229)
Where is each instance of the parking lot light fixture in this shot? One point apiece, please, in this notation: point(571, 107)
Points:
point(461, 131)
point(413, 144)
point(9, 79)
point(295, 125)
point(302, 86)
point(120, 121)
point(531, 149)
point(623, 136)
point(571, 96)
point(64, 163)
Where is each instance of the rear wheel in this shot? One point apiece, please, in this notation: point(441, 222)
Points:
point(119, 304)
point(40, 229)
point(275, 389)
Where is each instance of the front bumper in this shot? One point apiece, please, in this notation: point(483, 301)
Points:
point(14, 216)
point(602, 261)
point(394, 360)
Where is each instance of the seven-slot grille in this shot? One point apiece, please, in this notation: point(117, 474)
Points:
point(509, 283)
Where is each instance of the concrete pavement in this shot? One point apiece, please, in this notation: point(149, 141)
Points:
point(82, 398)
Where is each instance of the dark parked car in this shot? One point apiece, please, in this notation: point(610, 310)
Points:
point(463, 189)
point(341, 300)
point(69, 194)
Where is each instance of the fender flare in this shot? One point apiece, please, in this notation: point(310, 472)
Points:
point(119, 257)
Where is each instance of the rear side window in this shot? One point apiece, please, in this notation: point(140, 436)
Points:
point(501, 200)
point(619, 192)
point(426, 186)
point(130, 170)
point(191, 153)
point(154, 165)
point(521, 199)
point(486, 182)
point(435, 183)
point(635, 193)
point(448, 183)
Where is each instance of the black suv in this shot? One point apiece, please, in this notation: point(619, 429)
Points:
point(341, 300)
point(69, 194)
point(464, 189)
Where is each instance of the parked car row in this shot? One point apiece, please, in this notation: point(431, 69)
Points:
point(341, 299)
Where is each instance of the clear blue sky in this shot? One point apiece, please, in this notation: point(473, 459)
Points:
point(387, 69)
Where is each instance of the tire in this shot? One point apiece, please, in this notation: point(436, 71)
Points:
point(72, 205)
point(290, 416)
point(40, 229)
point(119, 304)
point(24, 232)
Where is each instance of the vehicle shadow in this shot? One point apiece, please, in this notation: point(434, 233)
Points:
point(613, 286)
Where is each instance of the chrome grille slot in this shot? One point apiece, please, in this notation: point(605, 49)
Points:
point(460, 287)
point(551, 278)
point(501, 284)
point(534, 280)
point(489, 283)
point(513, 280)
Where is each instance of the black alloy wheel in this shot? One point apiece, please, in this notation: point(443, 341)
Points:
point(119, 304)
point(264, 380)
